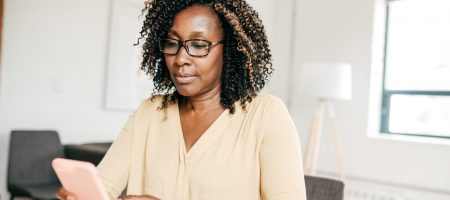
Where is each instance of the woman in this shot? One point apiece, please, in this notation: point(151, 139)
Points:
point(207, 134)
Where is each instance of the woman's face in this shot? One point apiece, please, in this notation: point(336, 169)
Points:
point(196, 76)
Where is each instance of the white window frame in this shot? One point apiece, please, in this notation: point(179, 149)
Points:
point(377, 83)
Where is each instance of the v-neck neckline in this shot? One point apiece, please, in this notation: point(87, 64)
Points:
point(205, 138)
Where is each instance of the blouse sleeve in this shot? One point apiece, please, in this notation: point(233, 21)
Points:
point(115, 166)
point(282, 175)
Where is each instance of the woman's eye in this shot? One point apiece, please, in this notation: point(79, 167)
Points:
point(170, 44)
point(199, 44)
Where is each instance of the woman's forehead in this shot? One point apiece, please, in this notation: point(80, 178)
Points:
point(196, 20)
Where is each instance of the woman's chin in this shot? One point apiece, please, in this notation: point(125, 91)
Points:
point(186, 92)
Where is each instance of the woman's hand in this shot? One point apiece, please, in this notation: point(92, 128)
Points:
point(139, 197)
point(64, 194)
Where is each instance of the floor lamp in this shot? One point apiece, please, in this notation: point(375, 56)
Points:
point(326, 82)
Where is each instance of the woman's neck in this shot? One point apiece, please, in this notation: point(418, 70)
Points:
point(204, 103)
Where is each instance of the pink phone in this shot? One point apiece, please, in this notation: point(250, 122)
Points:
point(80, 178)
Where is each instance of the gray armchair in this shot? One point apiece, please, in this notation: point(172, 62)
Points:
point(90, 152)
point(318, 188)
point(30, 173)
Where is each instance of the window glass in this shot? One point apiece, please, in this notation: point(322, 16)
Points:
point(418, 45)
point(420, 114)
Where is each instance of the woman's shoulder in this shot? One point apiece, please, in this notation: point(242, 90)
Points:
point(154, 99)
point(151, 107)
point(265, 111)
point(152, 102)
point(265, 100)
point(263, 104)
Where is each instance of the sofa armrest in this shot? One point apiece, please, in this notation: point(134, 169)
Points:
point(90, 152)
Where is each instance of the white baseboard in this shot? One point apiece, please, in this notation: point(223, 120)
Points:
point(364, 190)
point(360, 189)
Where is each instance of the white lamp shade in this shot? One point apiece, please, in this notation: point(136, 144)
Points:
point(327, 80)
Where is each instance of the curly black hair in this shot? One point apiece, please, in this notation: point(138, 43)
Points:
point(247, 61)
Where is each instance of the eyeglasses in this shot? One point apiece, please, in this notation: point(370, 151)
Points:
point(195, 48)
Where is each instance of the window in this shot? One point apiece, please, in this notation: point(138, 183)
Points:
point(416, 83)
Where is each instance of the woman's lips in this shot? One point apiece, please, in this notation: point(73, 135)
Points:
point(185, 79)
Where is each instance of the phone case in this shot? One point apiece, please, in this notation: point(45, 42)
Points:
point(80, 178)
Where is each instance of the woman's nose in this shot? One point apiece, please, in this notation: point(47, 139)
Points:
point(183, 57)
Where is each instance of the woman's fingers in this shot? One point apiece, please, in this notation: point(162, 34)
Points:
point(64, 194)
point(61, 193)
point(140, 197)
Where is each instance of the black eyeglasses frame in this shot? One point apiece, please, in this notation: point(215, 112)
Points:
point(182, 43)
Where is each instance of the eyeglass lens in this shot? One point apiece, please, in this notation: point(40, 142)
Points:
point(193, 47)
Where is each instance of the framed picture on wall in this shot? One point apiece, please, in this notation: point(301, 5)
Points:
point(126, 84)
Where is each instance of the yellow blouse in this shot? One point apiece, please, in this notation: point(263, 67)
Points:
point(251, 154)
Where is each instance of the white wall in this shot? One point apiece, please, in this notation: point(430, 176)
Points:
point(327, 31)
point(53, 66)
point(54, 62)
point(277, 17)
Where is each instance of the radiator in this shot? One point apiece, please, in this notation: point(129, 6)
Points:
point(366, 190)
